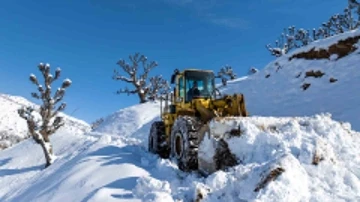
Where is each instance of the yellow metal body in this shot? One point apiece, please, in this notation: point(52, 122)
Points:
point(204, 108)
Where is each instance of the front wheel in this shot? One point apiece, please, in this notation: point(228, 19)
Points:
point(184, 143)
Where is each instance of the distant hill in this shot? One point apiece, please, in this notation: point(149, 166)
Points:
point(13, 128)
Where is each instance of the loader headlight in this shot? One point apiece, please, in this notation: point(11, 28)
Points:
point(179, 99)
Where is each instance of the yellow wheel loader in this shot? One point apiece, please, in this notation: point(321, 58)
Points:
point(185, 115)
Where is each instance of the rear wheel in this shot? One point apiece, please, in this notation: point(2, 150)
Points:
point(157, 140)
point(184, 143)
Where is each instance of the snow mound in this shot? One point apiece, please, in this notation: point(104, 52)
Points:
point(103, 167)
point(127, 121)
point(13, 128)
point(277, 90)
point(288, 159)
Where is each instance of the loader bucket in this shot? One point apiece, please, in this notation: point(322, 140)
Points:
point(214, 153)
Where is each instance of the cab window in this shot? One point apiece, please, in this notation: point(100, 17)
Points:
point(205, 84)
point(181, 87)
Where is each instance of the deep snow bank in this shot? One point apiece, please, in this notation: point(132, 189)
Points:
point(101, 167)
point(134, 121)
point(317, 156)
point(14, 129)
point(277, 89)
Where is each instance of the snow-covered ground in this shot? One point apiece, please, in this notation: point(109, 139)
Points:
point(14, 129)
point(105, 167)
point(281, 93)
point(112, 163)
point(291, 144)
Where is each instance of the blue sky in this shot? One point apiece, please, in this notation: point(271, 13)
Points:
point(87, 38)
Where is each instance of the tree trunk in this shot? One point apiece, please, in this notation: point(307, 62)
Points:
point(142, 97)
point(48, 152)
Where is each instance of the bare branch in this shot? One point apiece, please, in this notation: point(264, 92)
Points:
point(33, 79)
point(57, 74)
point(138, 79)
point(128, 91)
point(226, 71)
point(122, 78)
point(35, 95)
point(158, 86)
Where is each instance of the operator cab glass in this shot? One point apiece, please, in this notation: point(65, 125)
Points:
point(202, 81)
point(181, 88)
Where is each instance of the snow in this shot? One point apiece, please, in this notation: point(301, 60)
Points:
point(32, 76)
point(287, 127)
point(281, 94)
point(291, 143)
point(106, 167)
point(13, 128)
point(126, 122)
point(68, 81)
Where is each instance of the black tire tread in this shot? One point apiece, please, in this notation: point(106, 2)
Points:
point(161, 148)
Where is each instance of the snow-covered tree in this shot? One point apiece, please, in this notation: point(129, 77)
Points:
point(226, 73)
point(45, 121)
point(293, 38)
point(348, 20)
point(142, 85)
point(158, 87)
point(340, 23)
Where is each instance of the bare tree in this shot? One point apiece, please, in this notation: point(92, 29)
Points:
point(143, 86)
point(278, 50)
point(158, 87)
point(45, 122)
point(291, 38)
point(226, 73)
point(338, 23)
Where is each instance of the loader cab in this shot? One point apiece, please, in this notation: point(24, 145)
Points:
point(192, 84)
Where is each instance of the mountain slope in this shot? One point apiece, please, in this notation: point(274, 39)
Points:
point(14, 129)
point(281, 93)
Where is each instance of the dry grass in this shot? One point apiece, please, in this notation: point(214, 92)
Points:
point(271, 128)
point(200, 194)
point(317, 158)
point(315, 74)
point(270, 177)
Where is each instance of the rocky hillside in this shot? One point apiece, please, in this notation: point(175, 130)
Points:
point(321, 77)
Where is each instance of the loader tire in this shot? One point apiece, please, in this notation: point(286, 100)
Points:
point(157, 140)
point(184, 143)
